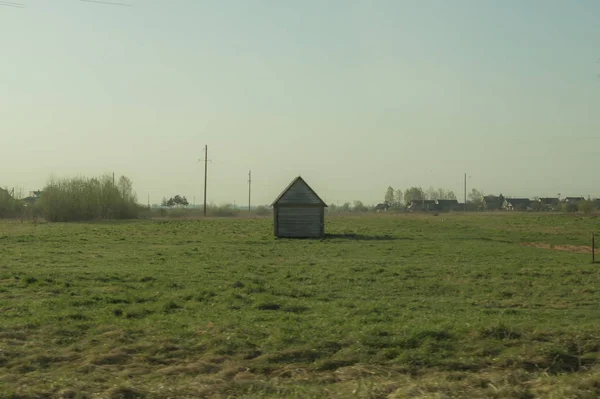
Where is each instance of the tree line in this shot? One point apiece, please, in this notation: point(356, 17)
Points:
point(100, 198)
point(76, 199)
point(82, 198)
point(176, 201)
point(397, 198)
point(9, 207)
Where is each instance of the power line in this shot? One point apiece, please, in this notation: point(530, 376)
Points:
point(205, 174)
point(11, 4)
point(249, 189)
point(107, 2)
point(465, 192)
point(21, 5)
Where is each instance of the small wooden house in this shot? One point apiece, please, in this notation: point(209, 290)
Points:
point(299, 212)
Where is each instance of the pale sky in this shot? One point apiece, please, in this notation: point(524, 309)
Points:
point(352, 95)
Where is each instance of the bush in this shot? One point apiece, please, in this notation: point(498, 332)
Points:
point(178, 212)
point(222, 211)
point(537, 206)
point(344, 208)
point(586, 206)
point(81, 199)
point(568, 207)
point(262, 210)
point(359, 207)
point(9, 207)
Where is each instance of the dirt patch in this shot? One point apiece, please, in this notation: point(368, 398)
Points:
point(191, 369)
point(124, 393)
point(580, 249)
point(111, 359)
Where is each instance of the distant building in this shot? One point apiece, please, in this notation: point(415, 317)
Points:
point(549, 203)
point(446, 205)
point(384, 206)
point(492, 202)
point(421, 205)
point(32, 198)
point(516, 204)
point(299, 212)
point(573, 200)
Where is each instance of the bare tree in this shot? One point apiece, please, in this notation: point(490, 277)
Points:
point(413, 193)
point(389, 196)
point(476, 197)
point(398, 197)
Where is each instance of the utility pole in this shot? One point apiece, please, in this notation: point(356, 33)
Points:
point(249, 189)
point(205, 175)
point(148, 201)
point(465, 192)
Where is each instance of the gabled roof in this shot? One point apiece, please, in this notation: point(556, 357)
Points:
point(298, 179)
point(549, 200)
point(574, 199)
point(518, 200)
point(491, 198)
point(419, 202)
point(4, 192)
point(447, 201)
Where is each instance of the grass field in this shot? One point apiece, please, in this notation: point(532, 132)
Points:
point(501, 306)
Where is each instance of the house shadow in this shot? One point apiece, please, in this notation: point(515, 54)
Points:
point(363, 237)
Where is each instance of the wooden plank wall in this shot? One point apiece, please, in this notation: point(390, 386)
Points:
point(299, 221)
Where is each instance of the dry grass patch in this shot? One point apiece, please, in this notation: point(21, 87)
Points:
point(580, 249)
point(190, 369)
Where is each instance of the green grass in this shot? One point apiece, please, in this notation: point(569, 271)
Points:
point(388, 306)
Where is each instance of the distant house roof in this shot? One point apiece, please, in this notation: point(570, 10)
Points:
point(515, 201)
point(548, 200)
point(4, 193)
point(574, 199)
point(30, 200)
point(447, 202)
point(299, 180)
point(418, 201)
point(491, 198)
